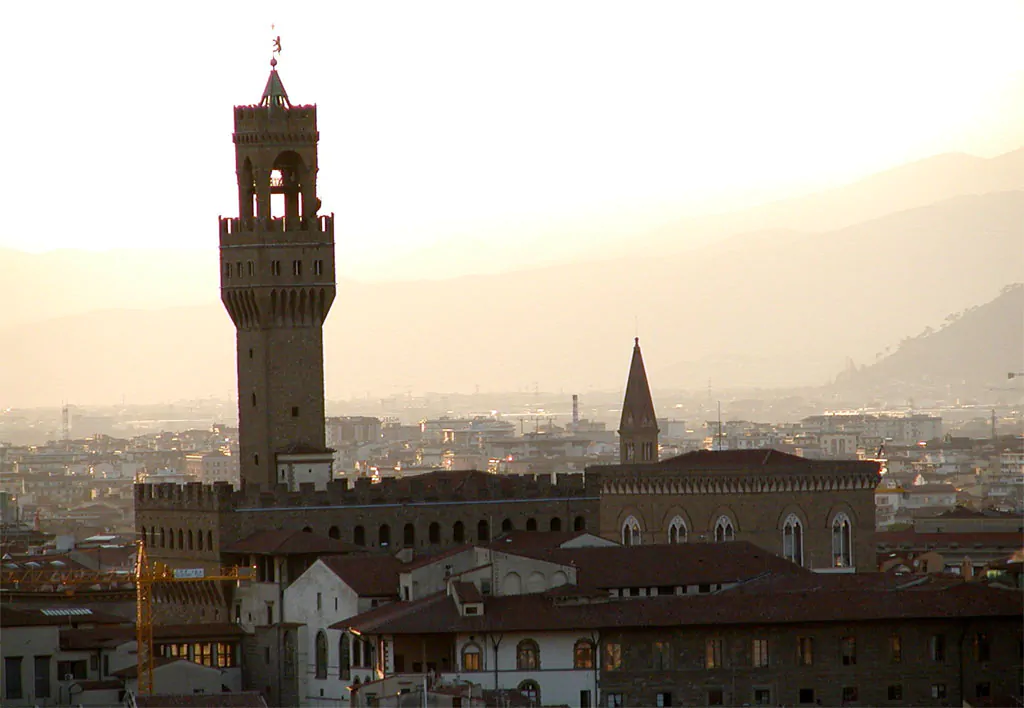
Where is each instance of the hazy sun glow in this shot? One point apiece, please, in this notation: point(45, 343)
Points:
point(494, 119)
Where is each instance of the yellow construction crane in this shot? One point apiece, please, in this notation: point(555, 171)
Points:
point(145, 576)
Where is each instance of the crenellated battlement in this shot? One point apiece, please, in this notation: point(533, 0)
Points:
point(235, 232)
point(251, 119)
point(437, 487)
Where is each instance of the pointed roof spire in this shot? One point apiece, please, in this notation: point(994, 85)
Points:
point(274, 94)
point(637, 406)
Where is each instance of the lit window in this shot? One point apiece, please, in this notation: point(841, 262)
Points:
point(472, 658)
point(631, 532)
point(805, 651)
point(612, 656)
point(583, 655)
point(895, 649)
point(527, 655)
point(713, 653)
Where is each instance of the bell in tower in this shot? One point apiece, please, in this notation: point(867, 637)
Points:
point(277, 284)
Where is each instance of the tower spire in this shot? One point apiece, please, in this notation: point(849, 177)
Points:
point(638, 427)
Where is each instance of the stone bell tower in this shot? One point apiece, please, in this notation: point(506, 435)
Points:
point(277, 284)
point(638, 427)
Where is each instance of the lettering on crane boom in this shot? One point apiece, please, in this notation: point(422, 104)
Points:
point(186, 573)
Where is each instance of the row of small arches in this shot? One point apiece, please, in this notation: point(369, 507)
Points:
point(182, 540)
point(382, 536)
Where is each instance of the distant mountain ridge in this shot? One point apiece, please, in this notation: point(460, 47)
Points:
point(757, 310)
point(969, 356)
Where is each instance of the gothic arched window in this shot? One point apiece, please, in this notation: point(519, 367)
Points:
point(724, 530)
point(459, 532)
point(531, 692)
point(793, 540)
point(321, 655)
point(842, 541)
point(677, 532)
point(631, 532)
point(527, 655)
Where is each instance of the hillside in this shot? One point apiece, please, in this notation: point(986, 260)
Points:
point(760, 310)
point(968, 357)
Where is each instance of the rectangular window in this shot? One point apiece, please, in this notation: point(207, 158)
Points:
point(12, 677)
point(202, 653)
point(661, 657)
point(584, 699)
point(807, 695)
point(226, 655)
point(759, 651)
point(849, 694)
point(938, 690)
point(895, 692)
point(318, 267)
point(982, 689)
point(848, 650)
point(716, 697)
point(295, 411)
point(275, 267)
point(805, 651)
point(296, 267)
point(895, 649)
point(227, 271)
point(42, 672)
point(319, 602)
point(762, 696)
point(713, 654)
point(663, 700)
point(615, 700)
point(612, 656)
point(937, 647)
point(238, 268)
point(251, 267)
point(72, 670)
point(982, 647)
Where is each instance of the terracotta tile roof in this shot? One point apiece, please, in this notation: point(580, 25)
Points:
point(204, 630)
point(158, 661)
point(962, 512)
point(434, 557)
point(930, 488)
point(244, 699)
point(62, 616)
point(95, 637)
point(368, 576)
point(467, 592)
point(294, 542)
point(665, 564)
point(104, 685)
point(767, 600)
point(966, 539)
point(734, 459)
point(513, 541)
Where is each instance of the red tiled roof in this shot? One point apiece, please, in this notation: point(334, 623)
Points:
point(294, 542)
point(204, 630)
point(368, 576)
point(433, 557)
point(513, 541)
point(768, 600)
point(244, 699)
point(105, 685)
point(665, 564)
point(989, 539)
point(733, 459)
point(467, 592)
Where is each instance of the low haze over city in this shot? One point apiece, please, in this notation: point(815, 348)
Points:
point(460, 354)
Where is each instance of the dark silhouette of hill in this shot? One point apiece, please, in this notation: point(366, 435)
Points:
point(968, 356)
point(765, 310)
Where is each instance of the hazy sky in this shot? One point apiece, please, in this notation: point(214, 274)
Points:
point(467, 117)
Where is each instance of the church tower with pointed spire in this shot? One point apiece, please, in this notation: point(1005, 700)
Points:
point(277, 284)
point(638, 428)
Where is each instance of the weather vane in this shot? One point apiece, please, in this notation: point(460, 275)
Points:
point(276, 48)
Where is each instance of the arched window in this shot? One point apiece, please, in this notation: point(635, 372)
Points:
point(724, 530)
point(579, 524)
point(536, 582)
point(472, 658)
point(556, 524)
point(199, 540)
point(459, 532)
point(409, 536)
point(209, 540)
point(334, 532)
point(384, 536)
point(145, 536)
point(631, 532)
point(842, 541)
point(793, 539)
point(531, 692)
point(483, 531)
point(359, 536)
point(527, 655)
point(307, 529)
point(435, 532)
point(321, 655)
point(677, 532)
point(507, 526)
point(583, 655)
point(181, 540)
point(531, 524)
point(513, 584)
point(191, 544)
point(163, 538)
point(344, 657)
